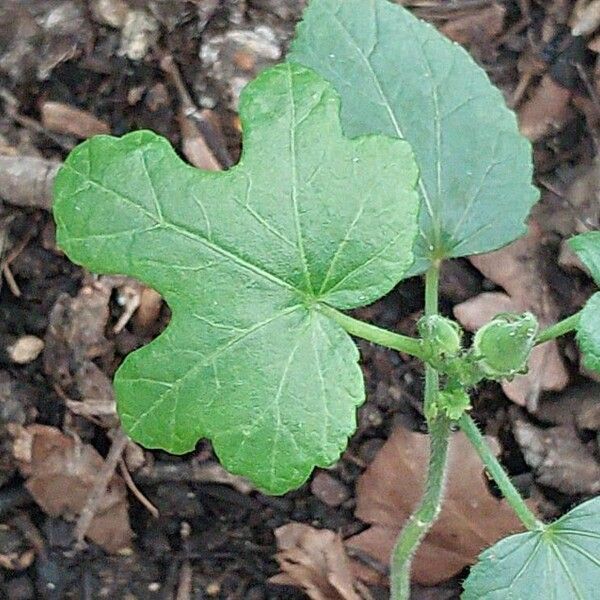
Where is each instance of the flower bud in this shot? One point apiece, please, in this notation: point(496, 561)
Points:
point(441, 337)
point(502, 346)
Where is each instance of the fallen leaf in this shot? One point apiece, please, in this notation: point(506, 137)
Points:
point(546, 111)
point(560, 460)
point(61, 472)
point(518, 269)
point(314, 560)
point(471, 518)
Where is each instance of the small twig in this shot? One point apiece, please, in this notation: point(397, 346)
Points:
point(27, 181)
point(104, 476)
point(184, 588)
point(136, 491)
point(10, 280)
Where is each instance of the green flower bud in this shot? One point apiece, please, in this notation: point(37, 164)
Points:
point(442, 338)
point(502, 347)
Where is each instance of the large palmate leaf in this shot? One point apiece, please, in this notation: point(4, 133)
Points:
point(397, 75)
point(245, 259)
point(558, 563)
point(587, 247)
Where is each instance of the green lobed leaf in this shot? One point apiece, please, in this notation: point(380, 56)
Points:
point(245, 258)
point(587, 248)
point(398, 76)
point(562, 562)
point(588, 333)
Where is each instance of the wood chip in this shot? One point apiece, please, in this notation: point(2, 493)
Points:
point(62, 118)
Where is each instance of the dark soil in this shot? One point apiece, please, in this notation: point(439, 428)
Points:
point(64, 51)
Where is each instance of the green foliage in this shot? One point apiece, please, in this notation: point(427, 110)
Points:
point(560, 562)
point(397, 75)
point(587, 248)
point(245, 258)
point(502, 347)
point(588, 333)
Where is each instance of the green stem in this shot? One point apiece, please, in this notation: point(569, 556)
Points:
point(423, 518)
point(498, 473)
point(558, 329)
point(383, 337)
point(432, 284)
point(439, 435)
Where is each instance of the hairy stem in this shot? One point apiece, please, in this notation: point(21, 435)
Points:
point(423, 518)
point(499, 475)
point(558, 329)
point(371, 333)
point(439, 434)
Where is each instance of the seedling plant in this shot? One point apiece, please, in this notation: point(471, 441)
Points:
point(377, 151)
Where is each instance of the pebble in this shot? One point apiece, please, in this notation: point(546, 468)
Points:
point(235, 57)
point(139, 32)
point(25, 349)
point(328, 489)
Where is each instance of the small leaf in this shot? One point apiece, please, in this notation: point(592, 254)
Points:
point(588, 333)
point(560, 562)
point(245, 258)
point(397, 75)
point(587, 248)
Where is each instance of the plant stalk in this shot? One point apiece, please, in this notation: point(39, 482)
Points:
point(423, 518)
point(371, 333)
point(495, 469)
point(439, 435)
point(558, 329)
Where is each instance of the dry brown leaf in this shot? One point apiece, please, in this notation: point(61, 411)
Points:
point(314, 560)
point(546, 111)
point(471, 518)
point(518, 269)
point(61, 472)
